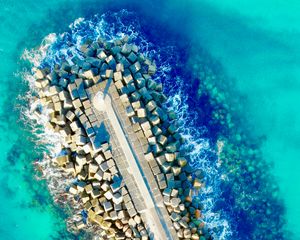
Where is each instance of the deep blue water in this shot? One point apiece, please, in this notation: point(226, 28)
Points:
point(189, 42)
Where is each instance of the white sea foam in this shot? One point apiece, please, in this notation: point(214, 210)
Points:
point(99, 27)
point(197, 147)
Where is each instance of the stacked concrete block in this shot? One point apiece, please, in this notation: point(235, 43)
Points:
point(66, 92)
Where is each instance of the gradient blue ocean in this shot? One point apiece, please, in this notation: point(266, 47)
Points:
point(231, 71)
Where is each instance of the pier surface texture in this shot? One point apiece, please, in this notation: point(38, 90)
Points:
point(151, 205)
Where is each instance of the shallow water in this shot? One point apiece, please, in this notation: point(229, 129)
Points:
point(257, 47)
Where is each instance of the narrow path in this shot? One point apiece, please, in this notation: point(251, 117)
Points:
point(155, 219)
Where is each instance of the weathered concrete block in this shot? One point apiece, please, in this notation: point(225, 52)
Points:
point(145, 126)
point(134, 68)
point(152, 140)
point(151, 70)
point(170, 157)
point(70, 116)
point(80, 225)
point(118, 76)
point(120, 67)
point(151, 106)
point(162, 140)
point(102, 55)
point(77, 103)
point(129, 111)
point(93, 168)
point(104, 166)
point(95, 193)
point(126, 49)
point(108, 195)
point(127, 77)
point(61, 160)
point(132, 57)
point(157, 148)
point(107, 206)
point(154, 120)
point(99, 175)
point(39, 74)
point(117, 198)
point(109, 73)
point(111, 61)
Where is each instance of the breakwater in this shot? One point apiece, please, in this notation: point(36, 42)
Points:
point(66, 96)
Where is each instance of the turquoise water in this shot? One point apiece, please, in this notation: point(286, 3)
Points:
point(255, 44)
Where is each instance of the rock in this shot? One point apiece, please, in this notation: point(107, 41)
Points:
point(162, 139)
point(111, 61)
point(197, 213)
point(161, 159)
point(137, 219)
point(70, 168)
point(129, 111)
point(170, 157)
point(73, 189)
point(118, 76)
point(127, 77)
point(175, 217)
point(197, 184)
point(109, 73)
point(107, 206)
point(135, 67)
point(102, 55)
point(61, 160)
point(136, 105)
point(148, 134)
point(128, 233)
point(70, 116)
point(176, 170)
point(120, 67)
point(132, 57)
point(167, 192)
point(171, 147)
point(141, 113)
point(174, 193)
point(151, 106)
point(181, 161)
point(176, 225)
point(180, 233)
point(175, 202)
point(151, 140)
point(39, 74)
point(117, 198)
point(119, 224)
point(195, 236)
point(183, 223)
point(145, 126)
point(156, 149)
point(154, 120)
point(126, 49)
point(80, 225)
point(166, 167)
point(132, 212)
point(187, 233)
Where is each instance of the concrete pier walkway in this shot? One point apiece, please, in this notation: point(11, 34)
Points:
point(153, 212)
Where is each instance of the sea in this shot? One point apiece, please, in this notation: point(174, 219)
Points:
point(231, 72)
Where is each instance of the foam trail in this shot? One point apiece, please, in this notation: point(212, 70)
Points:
point(198, 148)
point(111, 26)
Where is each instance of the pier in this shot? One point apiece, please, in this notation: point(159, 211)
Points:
point(132, 164)
point(120, 144)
